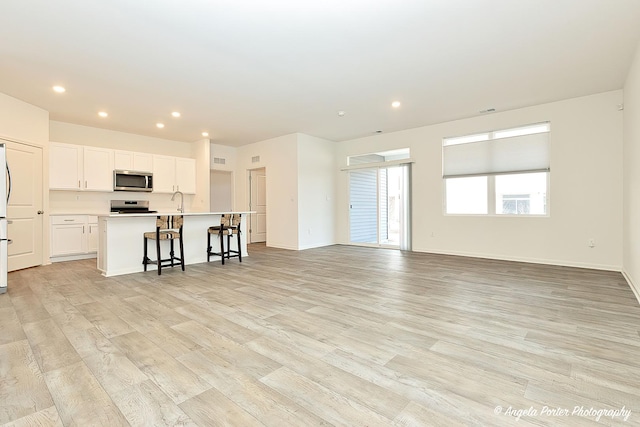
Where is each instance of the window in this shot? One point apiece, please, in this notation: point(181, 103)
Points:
point(503, 172)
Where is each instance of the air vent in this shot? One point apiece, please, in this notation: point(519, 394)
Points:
point(255, 159)
point(219, 160)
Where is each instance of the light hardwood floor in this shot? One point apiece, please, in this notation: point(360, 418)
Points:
point(332, 336)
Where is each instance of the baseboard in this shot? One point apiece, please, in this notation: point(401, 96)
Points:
point(73, 257)
point(632, 285)
point(560, 263)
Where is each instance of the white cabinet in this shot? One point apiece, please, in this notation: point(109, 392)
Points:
point(98, 169)
point(186, 175)
point(75, 167)
point(174, 174)
point(65, 170)
point(133, 161)
point(73, 236)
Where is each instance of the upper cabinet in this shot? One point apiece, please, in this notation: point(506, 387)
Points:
point(132, 161)
point(65, 166)
point(80, 168)
point(84, 168)
point(174, 174)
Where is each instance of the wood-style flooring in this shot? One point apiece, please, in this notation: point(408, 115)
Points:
point(344, 336)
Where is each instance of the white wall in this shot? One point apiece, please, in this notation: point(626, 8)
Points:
point(585, 196)
point(316, 191)
point(227, 153)
point(631, 245)
point(201, 151)
point(22, 122)
point(98, 202)
point(96, 137)
point(279, 158)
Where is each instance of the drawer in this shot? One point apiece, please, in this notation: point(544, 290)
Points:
point(68, 219)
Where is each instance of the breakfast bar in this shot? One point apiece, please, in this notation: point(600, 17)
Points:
point(120, 245)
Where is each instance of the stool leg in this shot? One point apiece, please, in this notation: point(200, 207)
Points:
point(208, 246)
point(239, 247)
point(144, 257)
point(181, 253)
point(172, 254)
point(159, 259)
point(221, 239)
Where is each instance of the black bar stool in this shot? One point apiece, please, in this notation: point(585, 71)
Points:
point(234, 228)
point(229, 226)
point(167, 228)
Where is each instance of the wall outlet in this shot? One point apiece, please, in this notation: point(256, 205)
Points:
point(591, 243)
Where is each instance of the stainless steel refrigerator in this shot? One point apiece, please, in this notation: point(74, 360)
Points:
point(5, 193)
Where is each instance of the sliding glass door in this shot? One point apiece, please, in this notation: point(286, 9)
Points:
point(378, 206)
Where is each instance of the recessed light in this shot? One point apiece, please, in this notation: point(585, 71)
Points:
point(103, 114)
point(176, 114)
point(395, 104)
point(205, 133)
point(159, 125)
point(341, 113)
point(59, 89)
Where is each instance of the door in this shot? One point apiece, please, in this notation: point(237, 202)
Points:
point(376, 211)
point(258, 203)
point(221, 191)
point(24, 210)
point(98, 169)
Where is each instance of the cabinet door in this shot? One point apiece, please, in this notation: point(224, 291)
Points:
point(65, 166)
point(142, 162)
point(68, 239)
point(92, 237)
point(123, 160)
point(98, 169)
point(164, 174)
point(186, 175)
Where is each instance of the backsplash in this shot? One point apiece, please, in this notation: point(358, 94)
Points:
point(88, 202)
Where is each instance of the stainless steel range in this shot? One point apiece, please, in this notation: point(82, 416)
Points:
point(130, 206)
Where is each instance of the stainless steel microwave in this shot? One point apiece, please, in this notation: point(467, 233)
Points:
point(132, 181)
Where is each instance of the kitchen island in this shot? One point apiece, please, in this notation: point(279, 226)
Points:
point(120, 245)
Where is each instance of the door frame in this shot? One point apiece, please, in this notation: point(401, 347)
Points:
point(249, 193)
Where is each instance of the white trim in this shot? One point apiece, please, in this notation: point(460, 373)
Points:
point(379, 164)
point(73, 257)
point(560, 263)
point(632, 285)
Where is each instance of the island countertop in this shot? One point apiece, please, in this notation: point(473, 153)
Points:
point(167, 213)
point(121, 244)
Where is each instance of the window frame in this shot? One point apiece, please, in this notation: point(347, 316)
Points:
point(491, 196)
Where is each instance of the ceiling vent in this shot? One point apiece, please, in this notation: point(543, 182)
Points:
point(255, 159)
point(219, 160)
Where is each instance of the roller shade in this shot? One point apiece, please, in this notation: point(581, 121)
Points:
point(515, 154)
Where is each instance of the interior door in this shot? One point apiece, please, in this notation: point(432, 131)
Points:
point(24, 210)
point(258, 197)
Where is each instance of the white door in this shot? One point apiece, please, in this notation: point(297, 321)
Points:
point(98, 169)
point(258, 198)
point(221, 191)
point(24, 210)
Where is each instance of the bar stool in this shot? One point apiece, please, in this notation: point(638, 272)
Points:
point(234, 228)
point(219, 230)
point(167, 228)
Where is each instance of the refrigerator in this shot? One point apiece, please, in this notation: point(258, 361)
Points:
point(5, 193)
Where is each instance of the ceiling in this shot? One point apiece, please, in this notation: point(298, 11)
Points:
point(249, 70)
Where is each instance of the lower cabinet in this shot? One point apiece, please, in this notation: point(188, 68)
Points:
point(73, 237)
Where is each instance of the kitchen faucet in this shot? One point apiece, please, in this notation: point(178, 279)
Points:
point(181, 208)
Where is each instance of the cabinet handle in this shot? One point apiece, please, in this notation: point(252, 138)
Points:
point(85, 184)
point(79, 184)
point(69, 219)
point(83, 229)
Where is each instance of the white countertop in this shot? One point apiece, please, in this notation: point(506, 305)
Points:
point(155, 214)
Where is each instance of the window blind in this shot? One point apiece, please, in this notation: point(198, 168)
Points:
point(515, 154)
